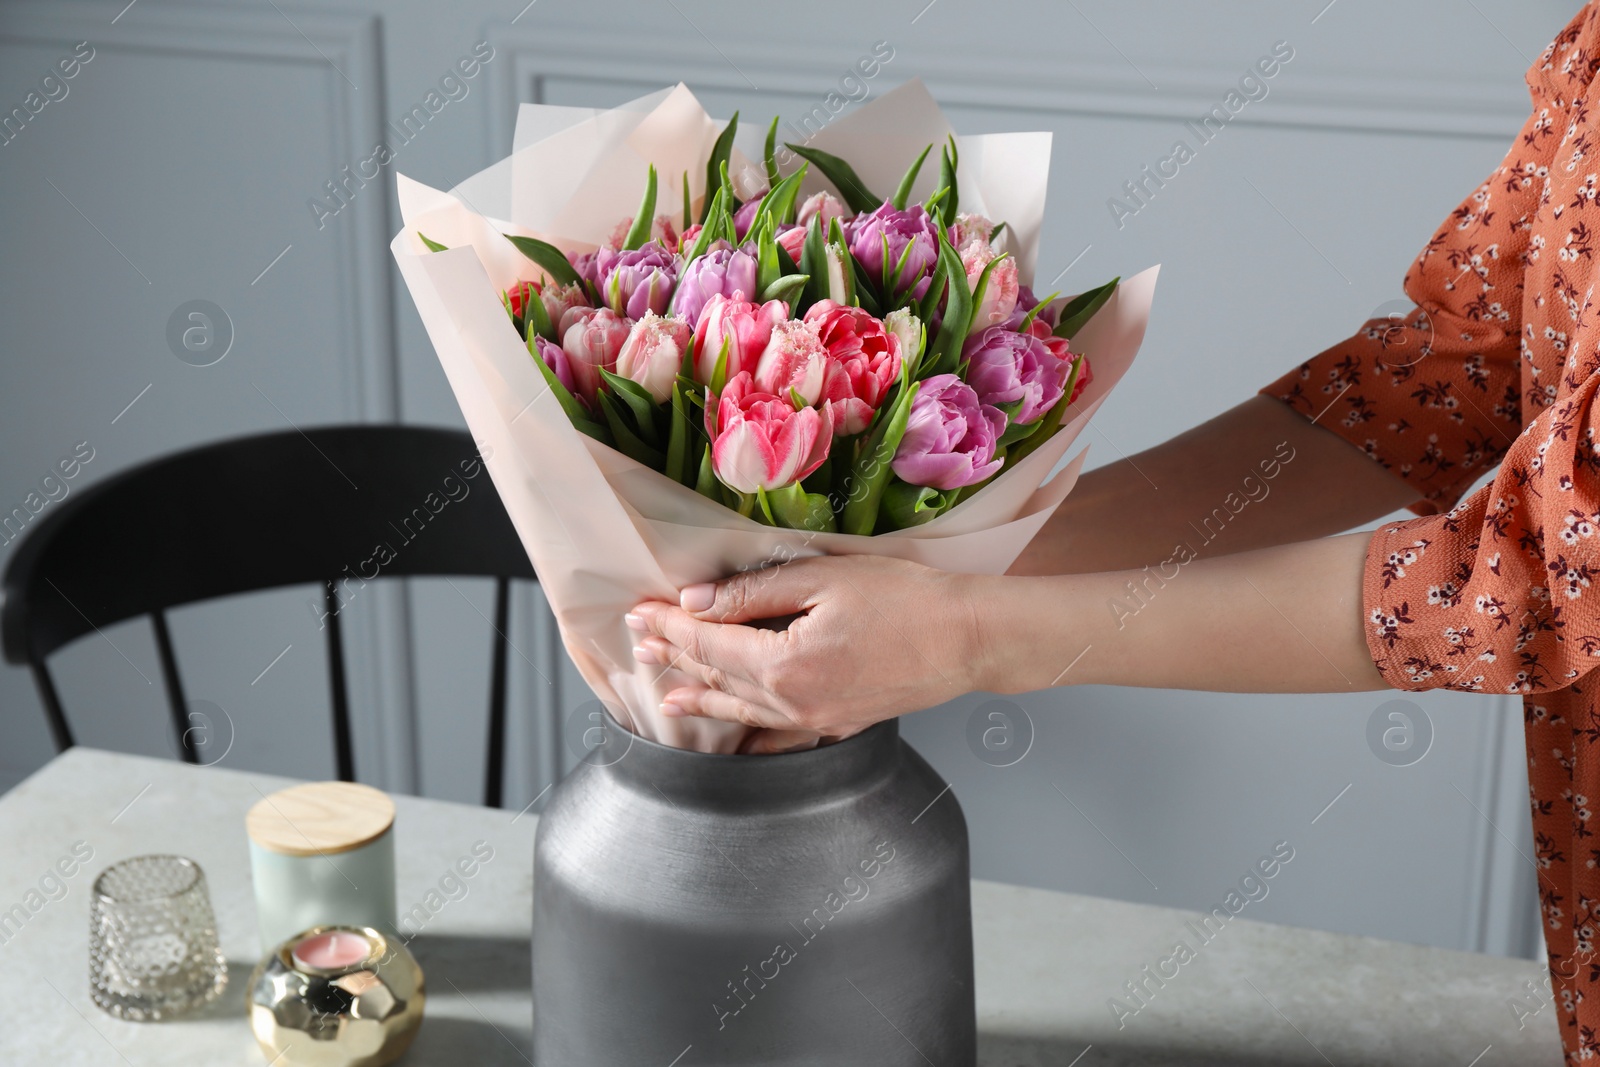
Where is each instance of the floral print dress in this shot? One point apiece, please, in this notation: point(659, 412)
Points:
point(1499, 363)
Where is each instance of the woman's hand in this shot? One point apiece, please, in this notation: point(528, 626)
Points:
point(873, 638)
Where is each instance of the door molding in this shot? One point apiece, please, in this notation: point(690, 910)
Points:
point(345, 51)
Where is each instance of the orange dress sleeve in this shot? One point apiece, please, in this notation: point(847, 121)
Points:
point(1433, 393)
point(1495, 594)
point(1498, 594)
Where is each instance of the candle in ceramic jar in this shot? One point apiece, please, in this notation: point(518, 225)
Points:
point(331, 951)
point(322, 854)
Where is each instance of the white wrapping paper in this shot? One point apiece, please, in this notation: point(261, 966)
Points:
point(604, 532)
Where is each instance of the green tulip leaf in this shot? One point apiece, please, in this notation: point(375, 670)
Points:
point(703, 239)
point(705, 482)
point(946, 348)
point(905, 505)
point(814, 263)
point(536, 317)
point(641, 405)
point(842, 175)
point(797, 509)
point(639, 232)
point(719, 371)
point(549, 259)
point(1015, 433)
point(786, 288)
point(903, 192)
point(768, 155)
point(870, 474)
point(786, 263)
point(717, 163)
point(678, 427)
point(626, 440)
point(1027, 320)
point(936, 287)
point(948, 158)
point(780, 199)
point(768, 269)
point(1081, 308)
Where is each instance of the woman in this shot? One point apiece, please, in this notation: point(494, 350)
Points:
point(1498, 363)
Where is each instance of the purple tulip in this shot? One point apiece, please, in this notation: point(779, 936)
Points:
point(584, 264)
point(913, 230)
point(950, 437)
point(723, 270)
point(1005, 367)
point(745, 217)
point(555, 357)
point(637, 281)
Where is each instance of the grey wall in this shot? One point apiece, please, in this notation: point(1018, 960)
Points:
point(180, 166)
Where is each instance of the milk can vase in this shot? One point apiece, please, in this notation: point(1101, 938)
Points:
point(807, 908)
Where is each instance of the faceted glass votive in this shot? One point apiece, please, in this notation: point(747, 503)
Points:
point(153, 950)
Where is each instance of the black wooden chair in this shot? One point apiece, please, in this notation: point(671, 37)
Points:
point(256, 513)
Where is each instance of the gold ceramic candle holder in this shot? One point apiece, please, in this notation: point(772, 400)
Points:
point(336, 996)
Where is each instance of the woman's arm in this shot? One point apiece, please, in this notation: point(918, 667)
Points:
point(1285, 619)
point(881, 637)
point(1135, 511)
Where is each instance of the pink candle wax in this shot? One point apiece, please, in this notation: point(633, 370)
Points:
point(332, 950)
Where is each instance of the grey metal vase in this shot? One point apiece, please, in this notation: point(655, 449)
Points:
point(807, 908)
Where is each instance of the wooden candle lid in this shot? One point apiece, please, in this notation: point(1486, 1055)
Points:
point(320, 818)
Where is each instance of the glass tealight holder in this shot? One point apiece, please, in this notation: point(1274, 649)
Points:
point(153, 951)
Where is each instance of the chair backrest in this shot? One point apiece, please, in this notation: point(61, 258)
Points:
point(256, 513)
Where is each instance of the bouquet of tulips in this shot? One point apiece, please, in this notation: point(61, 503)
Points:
point(826, 347)
point(856, 365)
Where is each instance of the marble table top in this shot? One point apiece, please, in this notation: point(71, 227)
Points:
point(1048, 964)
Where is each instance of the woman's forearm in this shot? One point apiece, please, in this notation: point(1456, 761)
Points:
point(1286, 619)
point(1257, 475)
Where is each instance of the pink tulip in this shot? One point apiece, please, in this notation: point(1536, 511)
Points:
point(559, 299)
point(574, 314)
point(969, 228)
point(950, 436)
point(761, 441)
point(826, 205)
point(746, 327)
point(653, 353)
point(793, 359)
point(863, 361)
point(1000, 293)
point(592, 340)
point(1009, 368)
point(793, 241)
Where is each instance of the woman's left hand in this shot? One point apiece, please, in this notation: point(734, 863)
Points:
point(874, 638)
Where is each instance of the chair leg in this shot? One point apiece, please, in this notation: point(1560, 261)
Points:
point(494, 777)
point(60, 732)
point(339, 693)
point(176, 703)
